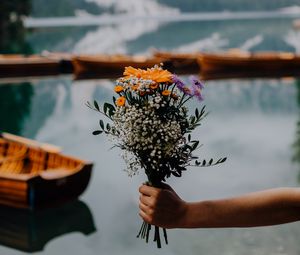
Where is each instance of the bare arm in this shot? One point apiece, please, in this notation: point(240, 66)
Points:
point(163, 207)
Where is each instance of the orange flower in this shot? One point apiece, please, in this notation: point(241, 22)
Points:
point(130, 71)
point(174, 96)
point(158, 75)
point(142, 93)
point(155, 74)
point(154, 86)
point(166, 93)
point(120, 101)
point(118, 89)
point(134, 87)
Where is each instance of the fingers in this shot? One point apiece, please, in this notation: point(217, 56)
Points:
point(145, 217)
point(148, 191)
point(146, 200)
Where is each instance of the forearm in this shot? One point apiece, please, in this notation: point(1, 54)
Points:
point(263, 208)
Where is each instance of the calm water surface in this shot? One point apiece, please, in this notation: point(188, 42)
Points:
point(253, 122)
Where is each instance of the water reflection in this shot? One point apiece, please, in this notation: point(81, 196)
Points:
point(15, 111)
point(12, 31)
point(30, 231)
point(296, 144)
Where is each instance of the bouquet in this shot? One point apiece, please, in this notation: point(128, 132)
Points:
point(149, 121)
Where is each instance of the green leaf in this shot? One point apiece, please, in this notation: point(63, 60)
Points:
point(189, 137)
point(192, 119)
point(111, 109)
point(107, 127)
point(195, 145)
point(177, 174)
point(105, 108)
point(101, 123)
point(203, 162)
point(210, 162)
point(223, 160)
point(96, 105)
point(197, 113)
point(97, 132)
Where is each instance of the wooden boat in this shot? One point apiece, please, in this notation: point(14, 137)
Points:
point(108, 66)
point(180, 63)
point(33, 65)
point(30, 231)
point(243, 64)
point(35, 175)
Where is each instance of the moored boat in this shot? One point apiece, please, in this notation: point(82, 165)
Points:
point(109, 66)
point(33, 65)
point(34, 175)
point(180, 63)
point(261, 64)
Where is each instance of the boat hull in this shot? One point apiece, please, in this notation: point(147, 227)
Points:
point(34, 175)
point(218, 66)
point(88, 67)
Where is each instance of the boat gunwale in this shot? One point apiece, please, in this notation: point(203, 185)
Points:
point(32, 176)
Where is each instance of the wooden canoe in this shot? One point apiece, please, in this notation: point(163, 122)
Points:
point(33, 175)
point(180, 63)
point(242, 65)
point(33, 65)
point(108, 66)
point(30, 231)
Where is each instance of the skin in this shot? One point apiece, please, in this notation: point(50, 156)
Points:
point(164, 208)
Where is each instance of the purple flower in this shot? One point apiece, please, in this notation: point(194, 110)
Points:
point(179, 83)
point(196, 91)
point(196, 82)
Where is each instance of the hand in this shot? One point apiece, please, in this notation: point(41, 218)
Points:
point(162, 207)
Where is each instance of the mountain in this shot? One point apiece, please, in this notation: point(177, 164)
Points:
point(61, 8)
point(71, 7)
point(231, 5)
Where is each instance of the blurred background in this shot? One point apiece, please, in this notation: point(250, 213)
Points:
point(254, 122)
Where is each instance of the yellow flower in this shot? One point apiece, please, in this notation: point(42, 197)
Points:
point(118, 89)
point(166, 93)
point(155, 74)
point(120, 101)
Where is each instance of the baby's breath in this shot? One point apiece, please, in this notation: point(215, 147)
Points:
point(150, 123)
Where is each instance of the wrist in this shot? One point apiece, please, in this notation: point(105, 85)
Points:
point(184, 215)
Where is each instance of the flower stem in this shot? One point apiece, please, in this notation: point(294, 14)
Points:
point(157, 237)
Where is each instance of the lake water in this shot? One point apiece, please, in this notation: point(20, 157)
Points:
point(253, 122)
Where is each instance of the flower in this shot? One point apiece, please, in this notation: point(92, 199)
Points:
point(196, 82)
point(151, 125)
point(134, 87)
point(156, 74)
point(154, 86)
point(166, 92)
point(179, 83)
point(130, 71)
point(120, 101)
point(174, 96)
point(118, 89)
point(186, 90)
point(196, 91)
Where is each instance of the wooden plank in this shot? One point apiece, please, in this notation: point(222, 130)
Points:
point(32, 143)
